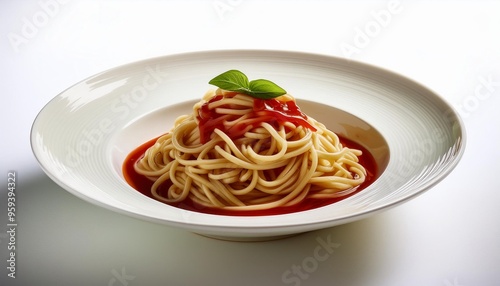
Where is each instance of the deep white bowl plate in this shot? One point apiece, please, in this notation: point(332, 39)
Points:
point(83, 135)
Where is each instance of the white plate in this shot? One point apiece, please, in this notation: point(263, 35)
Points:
point(82, 136)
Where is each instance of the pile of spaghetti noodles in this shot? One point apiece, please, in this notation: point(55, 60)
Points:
point(238, 152)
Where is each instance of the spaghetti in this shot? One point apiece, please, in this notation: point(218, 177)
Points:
point(237, 152)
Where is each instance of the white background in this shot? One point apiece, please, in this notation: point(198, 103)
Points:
point(448, 236)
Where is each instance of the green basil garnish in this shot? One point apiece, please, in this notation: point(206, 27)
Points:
point(234, 80)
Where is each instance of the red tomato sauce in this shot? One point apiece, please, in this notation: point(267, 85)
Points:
point(272, 111)
point(143, 185)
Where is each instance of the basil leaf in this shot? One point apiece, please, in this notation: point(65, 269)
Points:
point(232, 80)
point(265, 89)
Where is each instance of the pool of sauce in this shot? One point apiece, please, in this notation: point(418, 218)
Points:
point(143, 185)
